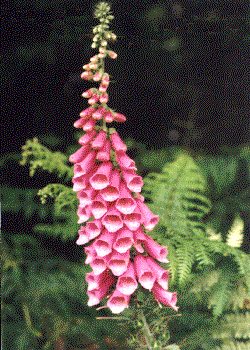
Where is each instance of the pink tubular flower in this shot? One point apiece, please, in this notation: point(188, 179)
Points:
point(149, 220)
point(81, 182)
point(104, 98)
point(89, 126)
point(87, 138)
point(80, 122)
point(103, 88)
point(127, 283)
point(84, 214)
point(94, 59)
point(112, 54)
point(162, 275)
point(101, 177)
point(80, 154)
point(85, 165)
point(98, 142)
point(164, 296)
point(118, 302)
point(157, 251)
point(133, 220)
point(96, 295)
point(126, 203)
point(95, 282)
point(86, 196)
point(83, 236)
point(97, 76)
point(118, 262)
point(104, 243)
point(117, 143)
point(134, 182)
point(124, 161)
point(93, 228)
point(104, 154)
point(123, 241)
point(139, 237)
point(86, 75)
point(98, 206)
point(99, 264)
point(99, 113)
point(112, 220)
point(111, 192)
point(87, 112)
point(144, 273)
point(91, 253)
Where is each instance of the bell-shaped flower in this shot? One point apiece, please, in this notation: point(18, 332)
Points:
point(154, 249)
point(101, 177)
point(98, 206)
point(83, 236)
point(99, 264)
point(139, 238)
point(104, 243)
point(82, 182)
point(80, 154)
point(164, 296)
point(94, 99)
point(127, 283)
point(162, 275)
point(124, 161)
point(123, 241)
point(118, 302)
point(91, 253)
point(104, 98)
point(117, 143)
point(134, 182)
point(133, 220)
point(93, 228)
point(95, 281)
point(84, 213)
point(80, 122)
point(89, 125)
point(86, 196)
point(85, 165)
point(96, 295)
point(126, 203)
point(98, 114)
point(87, 138)
point(88, 93)
point(118, 262)
point(104, 154)
point(111, 192)
point(144, 273)
point(149, 220)
point(112, 220)
point(98, 142)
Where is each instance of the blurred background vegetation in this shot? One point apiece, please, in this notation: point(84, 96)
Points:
point(185, 65)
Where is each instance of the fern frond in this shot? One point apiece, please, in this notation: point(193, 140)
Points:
point(185, 256)
point(177, 195)
point(39, 156)
point(235, 235)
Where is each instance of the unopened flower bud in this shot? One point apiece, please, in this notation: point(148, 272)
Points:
point(96, 38)
point(102, 55)
point(105, 79)
point(108, 117)
point(103, 88)
point(94, 99)
point(86, 75)
point(93, 45)
point(93, 66)
point(104, 43)
point(95, 30)
point(101, 50)
point(112, 54)
point(97, 76)
point(113, 36)
point(104, 98)
point(94, 59)
point(88, 93)
point(86, 67)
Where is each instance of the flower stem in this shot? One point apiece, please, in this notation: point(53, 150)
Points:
point(145, 330)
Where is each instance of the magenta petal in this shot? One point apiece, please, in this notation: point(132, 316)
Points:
point(99, 206)
point(133, 220)
point(96, 295)
point(111, 192)
point(117, 143)
point(139, 238)
point(93, 228)
point(124, 161)
point(112, 220)
point(124, 240)
point(101, 178)
point(98, 142)
point(80, 154)
point(86, 196)
point(133, 181)
point(126, 203)
point(83, 236)
point(118, 262)
point(86, 164)
point(104, 154)
point(87, 138)
point(164, 296)
point(127, 283)
point(162, 275)
point(149, 220)
point(104, 243)
point(95, 281)
point(118, 302)
point(144, 273)
point(154, 249)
